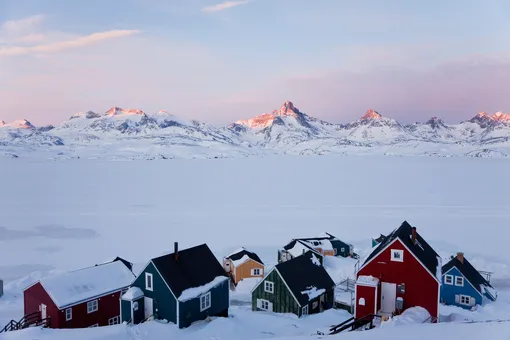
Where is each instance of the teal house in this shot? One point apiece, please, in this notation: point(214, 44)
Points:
point(182, 287)
point(463, 285)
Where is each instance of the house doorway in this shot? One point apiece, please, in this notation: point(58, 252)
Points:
point(388, 297)
point(148, 307)
point(43, 311)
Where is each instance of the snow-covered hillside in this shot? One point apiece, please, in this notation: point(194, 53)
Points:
point(133, 134)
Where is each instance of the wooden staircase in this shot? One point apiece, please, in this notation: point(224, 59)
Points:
point(29, 320)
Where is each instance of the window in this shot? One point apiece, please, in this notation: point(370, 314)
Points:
point(205, 301)
point(114, 321)
point(342, 250)
point(263, 304)
point(256, 272)
point(148, 281)
point(397, 255)
point(92, 306)
point(269, 287)
point(315, 304)
point(459, 281)
point(448, 279)
point(69, 314)
point(361, 301)
point(94, 325)
point(465, 300)
point(304, 311)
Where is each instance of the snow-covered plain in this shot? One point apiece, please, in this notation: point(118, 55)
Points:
point(64, 215)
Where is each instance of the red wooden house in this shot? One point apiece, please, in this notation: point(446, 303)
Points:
point(88, 297)
point(401, 272)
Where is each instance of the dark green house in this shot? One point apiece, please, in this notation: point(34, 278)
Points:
point(300, 286)
point(182, 287)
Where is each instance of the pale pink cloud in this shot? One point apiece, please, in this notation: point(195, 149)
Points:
point(21, 26)
point(224, 5)
point(63, 45)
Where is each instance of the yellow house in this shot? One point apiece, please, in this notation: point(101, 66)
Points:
point(242, 264)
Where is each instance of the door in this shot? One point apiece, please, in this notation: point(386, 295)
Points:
point(149, 307)
point(388, 297)
point(43, 311)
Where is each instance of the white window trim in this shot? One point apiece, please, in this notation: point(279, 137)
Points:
point(92, 304)
point(256, 272)
point(304, 310)
point(94, 325)
point(465, 297)
point(69, 314)
point(446, 277)
point(270, 285)
point(114, 321)
point(262, 301)
point(394, 259)
point(204, 297)
point(462, 280)
point(147, 275)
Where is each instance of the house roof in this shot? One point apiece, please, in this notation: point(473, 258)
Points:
point(305, 277)
point(380, 238)
point(325, 241)
point(469, 272)
point(422, 250)
point(298, 247)
point(195, 267)
point(85, 284)
point(241, 255)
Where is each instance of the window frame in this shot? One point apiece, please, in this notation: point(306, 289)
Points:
point(446, 277)
point(91, 303)
point(256, 272)
point(262, 302)
point(114, 321)
point(69, 313)
point(269, 284)
point(398, 251)
point(304, 310)
point(151, 287)
point(94, 325)
point(205, 301)
point(465, 297)
point(462, 281)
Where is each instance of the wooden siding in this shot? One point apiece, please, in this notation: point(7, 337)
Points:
point(189, 311)
point(244, 270)
point(36, 295)
point(282, 299)
point(368, 293)
point(125, 311)
point(327, 300)
point(421, 288)
point(164, 303)
point(448, 291)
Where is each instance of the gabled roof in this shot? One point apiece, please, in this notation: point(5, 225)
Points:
point(298, 247)
point(469, 272)
point(305, 277)
point(422, 250)
point(241, 255)
point(325, 241)
point(195, 267)
point(82, 285)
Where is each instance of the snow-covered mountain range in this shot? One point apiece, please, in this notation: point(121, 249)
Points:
point(132, 133)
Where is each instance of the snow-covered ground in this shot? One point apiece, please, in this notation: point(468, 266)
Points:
point(70, 214)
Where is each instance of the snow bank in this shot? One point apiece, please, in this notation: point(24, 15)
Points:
point(132, 293)
point(414, 315)
point(194, 292)
point(439, 269)
point(244, 288)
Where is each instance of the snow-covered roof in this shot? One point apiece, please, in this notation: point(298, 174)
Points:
point(241, 255)
point(132, 293)
point(84, 284)
point(367, 280)
point(299, 248)
point(194, 292)
point(313, 292)
point(323, 244)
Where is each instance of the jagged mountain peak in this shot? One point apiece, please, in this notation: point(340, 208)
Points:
point(287, 109)
point(87, 115)
point(501, 116)
point(435, 122)
point(371, 114)
point(267, 119)
point(19, 124)
point(115, 111)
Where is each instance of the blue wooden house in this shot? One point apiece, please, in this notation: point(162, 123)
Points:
point(183, 287)
point(463, 285)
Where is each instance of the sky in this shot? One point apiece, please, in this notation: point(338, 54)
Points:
point(222, 61)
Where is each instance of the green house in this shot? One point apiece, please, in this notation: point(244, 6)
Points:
point(182, 287)
point(300, 286)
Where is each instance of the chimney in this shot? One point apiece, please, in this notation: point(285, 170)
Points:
point(176, 251)
point(460, 257)
point(413, 235)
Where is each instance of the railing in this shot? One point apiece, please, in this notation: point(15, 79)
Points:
point(27, 321)
point(431, 319)
point(354, 324)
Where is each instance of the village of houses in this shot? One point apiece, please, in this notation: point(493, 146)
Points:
point(401, 272)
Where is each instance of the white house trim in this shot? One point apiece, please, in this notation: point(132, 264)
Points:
point(465, 280)
point(260, 282)
point(409, 250)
